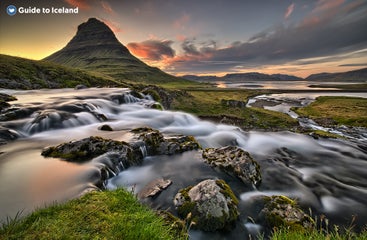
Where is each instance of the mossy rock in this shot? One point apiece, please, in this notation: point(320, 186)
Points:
point(157, 144)
point(234, 161)
point(210, 205)
point(281, 211)
point(86, 149)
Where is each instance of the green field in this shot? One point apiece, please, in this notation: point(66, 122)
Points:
point(210, 104)
point(349, 111)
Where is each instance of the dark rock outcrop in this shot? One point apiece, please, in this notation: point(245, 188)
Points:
point(88, 148)
point(233, 103)
point(234, 161)
point(157, 144)
point(209, 206)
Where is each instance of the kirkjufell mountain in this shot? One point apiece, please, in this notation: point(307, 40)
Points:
point(96, 48)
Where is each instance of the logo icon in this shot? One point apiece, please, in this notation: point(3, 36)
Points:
point(11, 10)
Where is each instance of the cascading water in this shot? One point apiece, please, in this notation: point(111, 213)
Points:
point(328, 176)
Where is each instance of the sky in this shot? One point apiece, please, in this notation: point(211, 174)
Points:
point(205, 37)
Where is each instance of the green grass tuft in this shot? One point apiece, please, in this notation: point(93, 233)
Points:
point(97, 215)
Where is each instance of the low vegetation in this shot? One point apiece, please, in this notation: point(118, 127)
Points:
point(349, 111)
point(214, 104)
point(21, 73)
point(97, 215)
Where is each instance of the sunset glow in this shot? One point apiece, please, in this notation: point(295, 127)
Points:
point(199, 37)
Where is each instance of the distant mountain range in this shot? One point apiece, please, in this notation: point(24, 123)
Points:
point(351, 76)
point(95, 48)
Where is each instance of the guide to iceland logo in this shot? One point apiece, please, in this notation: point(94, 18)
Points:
point(11, 10)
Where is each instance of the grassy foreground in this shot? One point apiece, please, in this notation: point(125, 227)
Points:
point(349, 111)
point(97, 215)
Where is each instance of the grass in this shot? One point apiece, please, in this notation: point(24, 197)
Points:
point(320, 231)
point(97, 215)
point(208, 103)
point(349, 111)
point(31, 74)
point(357, 86)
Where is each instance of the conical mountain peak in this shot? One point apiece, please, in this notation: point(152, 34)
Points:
point(96, 48)
point(94, 33)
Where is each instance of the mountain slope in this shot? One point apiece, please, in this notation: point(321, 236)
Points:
point(21, 73)
point(359, 75)
point(96, 48)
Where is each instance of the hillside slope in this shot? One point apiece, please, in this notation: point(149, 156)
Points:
point(21, 73)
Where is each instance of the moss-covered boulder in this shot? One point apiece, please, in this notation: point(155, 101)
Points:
point(157, 144)
point(281, 211)
point(91, 147)
point(210, 205)
point(234, 161)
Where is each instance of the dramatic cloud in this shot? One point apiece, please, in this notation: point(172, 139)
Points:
point(316, 36)
point(152, 50)
point(82, 4)
point(289, 11)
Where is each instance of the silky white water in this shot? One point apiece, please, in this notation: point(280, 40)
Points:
point(329, 176)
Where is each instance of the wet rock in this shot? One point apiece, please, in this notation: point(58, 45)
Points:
point(157, 144)
point(234, 161)
point(80, 86)
point(4, 99)
point(105, 127)
point(209, 206)
point(88, 148)
point(7, 135)
point(14, 113)
point(155, 187)
point(281, 211)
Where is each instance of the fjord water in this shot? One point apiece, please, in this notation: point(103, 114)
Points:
point(328, 176)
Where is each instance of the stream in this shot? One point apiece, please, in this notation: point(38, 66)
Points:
point(328, 176)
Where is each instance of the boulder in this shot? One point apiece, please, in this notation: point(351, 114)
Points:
point(157, 144)
point(105, 127)
point(281, 211)
point(88, 148)
point(210, 205)
point(234, 161)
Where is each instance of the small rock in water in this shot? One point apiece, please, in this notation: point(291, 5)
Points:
point(155, 187)
point(210, 205)
point(105, 127)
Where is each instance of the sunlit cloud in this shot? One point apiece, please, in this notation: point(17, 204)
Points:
point(289, 11)
point(152, 50)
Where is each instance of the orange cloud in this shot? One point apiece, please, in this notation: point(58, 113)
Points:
point(289, 11)
point(152, 50)
point(82, 4)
